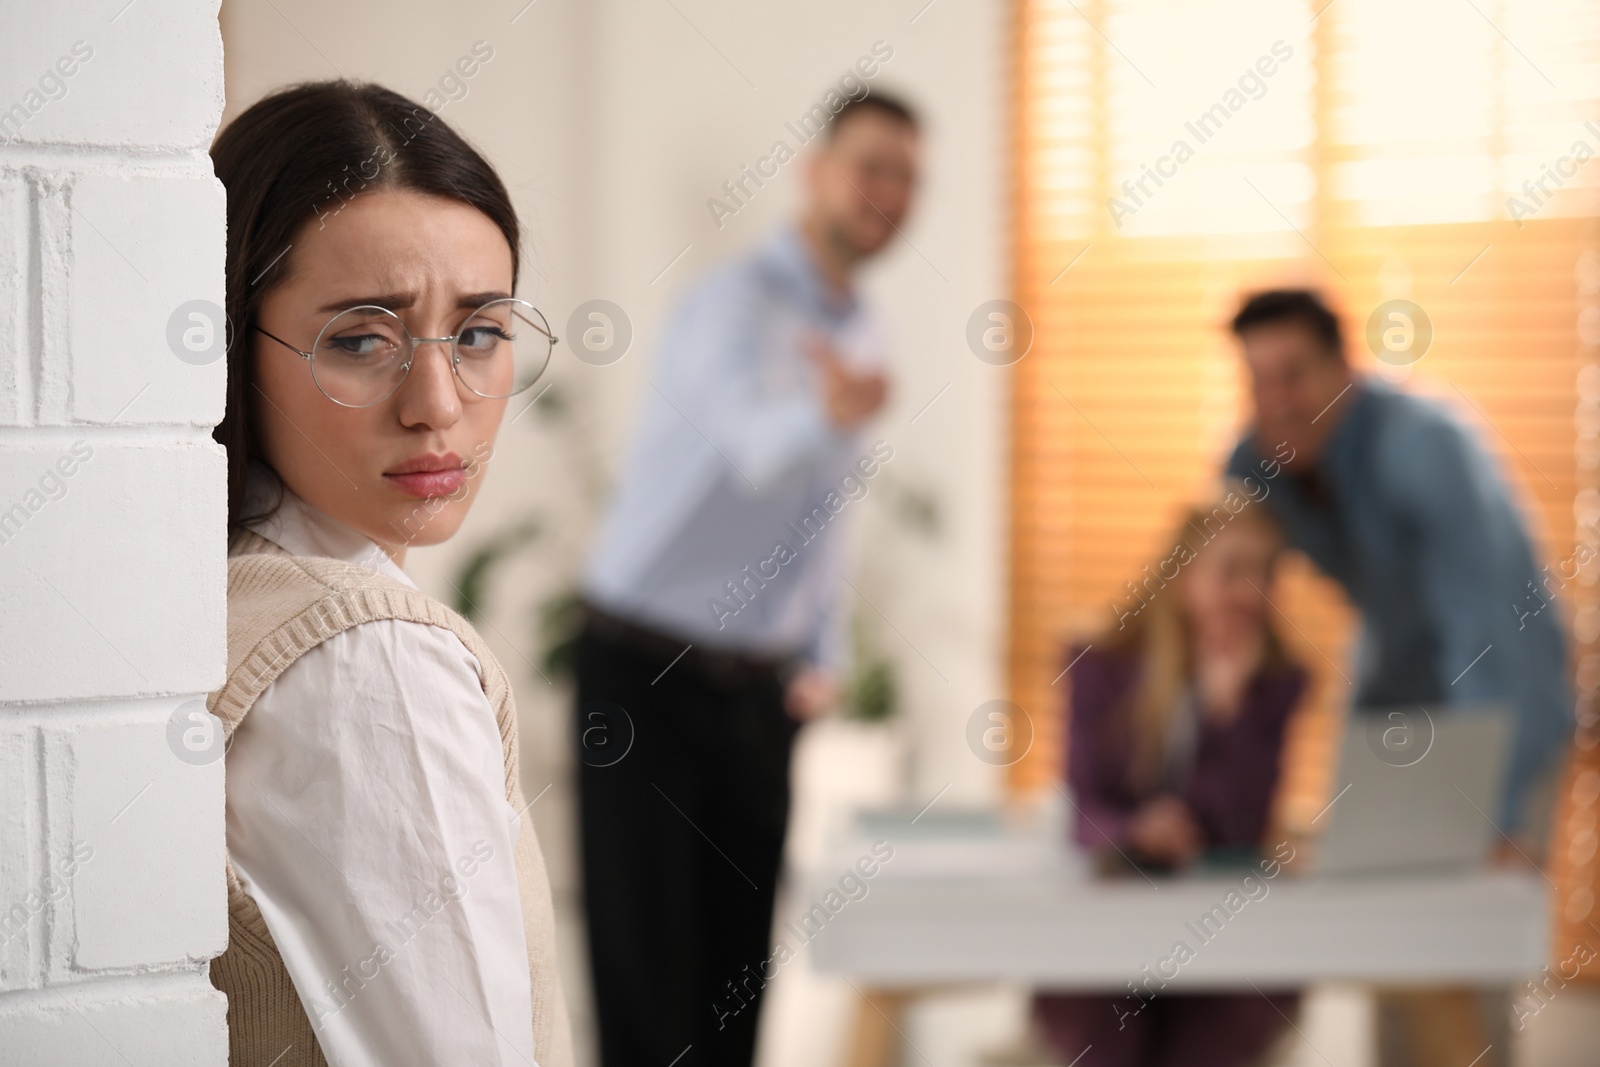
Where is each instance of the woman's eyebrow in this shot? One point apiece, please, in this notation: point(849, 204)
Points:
point(472, 301)
point(392, 301)
point(396, 301)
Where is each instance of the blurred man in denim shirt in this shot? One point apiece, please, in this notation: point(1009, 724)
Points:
point(1398, 502)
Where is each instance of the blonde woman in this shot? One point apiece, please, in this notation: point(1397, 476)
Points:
point(387, 898)
point(1177, 726)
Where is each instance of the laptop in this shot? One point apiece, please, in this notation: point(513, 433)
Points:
point(1417, 788)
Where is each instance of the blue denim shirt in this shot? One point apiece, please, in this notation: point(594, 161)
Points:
point(1422, 532)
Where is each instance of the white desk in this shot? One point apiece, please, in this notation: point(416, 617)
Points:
point(1020, 910)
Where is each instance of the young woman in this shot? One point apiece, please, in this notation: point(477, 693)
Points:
point(387, 898)
point(1178, 716)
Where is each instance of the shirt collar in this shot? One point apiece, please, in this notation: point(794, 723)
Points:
point(302, 530)
point(1356, 424)
point(790, 252)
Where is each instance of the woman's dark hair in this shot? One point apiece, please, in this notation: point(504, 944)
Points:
point(298, 156)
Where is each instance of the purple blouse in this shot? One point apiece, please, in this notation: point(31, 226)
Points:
point(1230, 785)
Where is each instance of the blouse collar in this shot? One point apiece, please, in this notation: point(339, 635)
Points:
point(302, 530)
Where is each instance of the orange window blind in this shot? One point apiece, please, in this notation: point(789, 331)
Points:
point(1171, 156)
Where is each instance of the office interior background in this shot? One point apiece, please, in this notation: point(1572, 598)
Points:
point(1424, 151)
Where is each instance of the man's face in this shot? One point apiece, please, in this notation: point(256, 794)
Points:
point(1293, 380)
point(864, 180)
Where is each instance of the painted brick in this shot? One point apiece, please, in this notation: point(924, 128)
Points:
point(112, 578)
point(20, 914)
point(152, 77)
point(112, 534)
point(177, 1022)
point(142, 855)
point(141, 250)
point(14, 356)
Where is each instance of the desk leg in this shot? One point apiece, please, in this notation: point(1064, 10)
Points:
point(880, 1016)
point(1433, 1028)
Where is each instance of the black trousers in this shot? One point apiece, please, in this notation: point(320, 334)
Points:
point(684, 800)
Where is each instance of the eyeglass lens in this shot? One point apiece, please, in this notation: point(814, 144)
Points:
point(363, 354)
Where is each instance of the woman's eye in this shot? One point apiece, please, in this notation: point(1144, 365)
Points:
point(362, 346)
point(481, 340)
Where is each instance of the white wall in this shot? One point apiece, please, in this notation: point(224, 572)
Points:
point(112, 520)
point(612, 122)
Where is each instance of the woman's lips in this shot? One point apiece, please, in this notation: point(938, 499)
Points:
point(430, 483)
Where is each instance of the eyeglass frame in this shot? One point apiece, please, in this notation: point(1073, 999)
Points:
point(411, 357)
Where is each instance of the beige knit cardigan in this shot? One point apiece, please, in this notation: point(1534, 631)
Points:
point(279, 607)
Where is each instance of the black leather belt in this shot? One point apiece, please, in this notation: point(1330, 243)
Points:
point(722, 665)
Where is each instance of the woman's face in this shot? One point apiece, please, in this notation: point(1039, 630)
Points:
point(1226, 585)
point(405, 470)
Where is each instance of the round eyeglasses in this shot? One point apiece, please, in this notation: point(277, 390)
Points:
point(363, 354)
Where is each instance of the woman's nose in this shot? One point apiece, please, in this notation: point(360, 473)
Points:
point(429, 396)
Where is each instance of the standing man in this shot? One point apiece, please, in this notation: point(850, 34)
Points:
point(715, 606)
point(1396, 501)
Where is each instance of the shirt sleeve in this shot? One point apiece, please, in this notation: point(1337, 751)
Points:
point(830, 647)
point(717, 372)
point(367, 818)
point(1103, 807)
point(1457, 505)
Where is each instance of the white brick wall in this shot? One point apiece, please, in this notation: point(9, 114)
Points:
point(112, 516)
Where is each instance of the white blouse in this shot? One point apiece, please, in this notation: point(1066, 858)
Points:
point(367, 818)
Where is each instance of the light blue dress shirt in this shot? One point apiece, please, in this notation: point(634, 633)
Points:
point(1424, 536)
point(727, 526)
